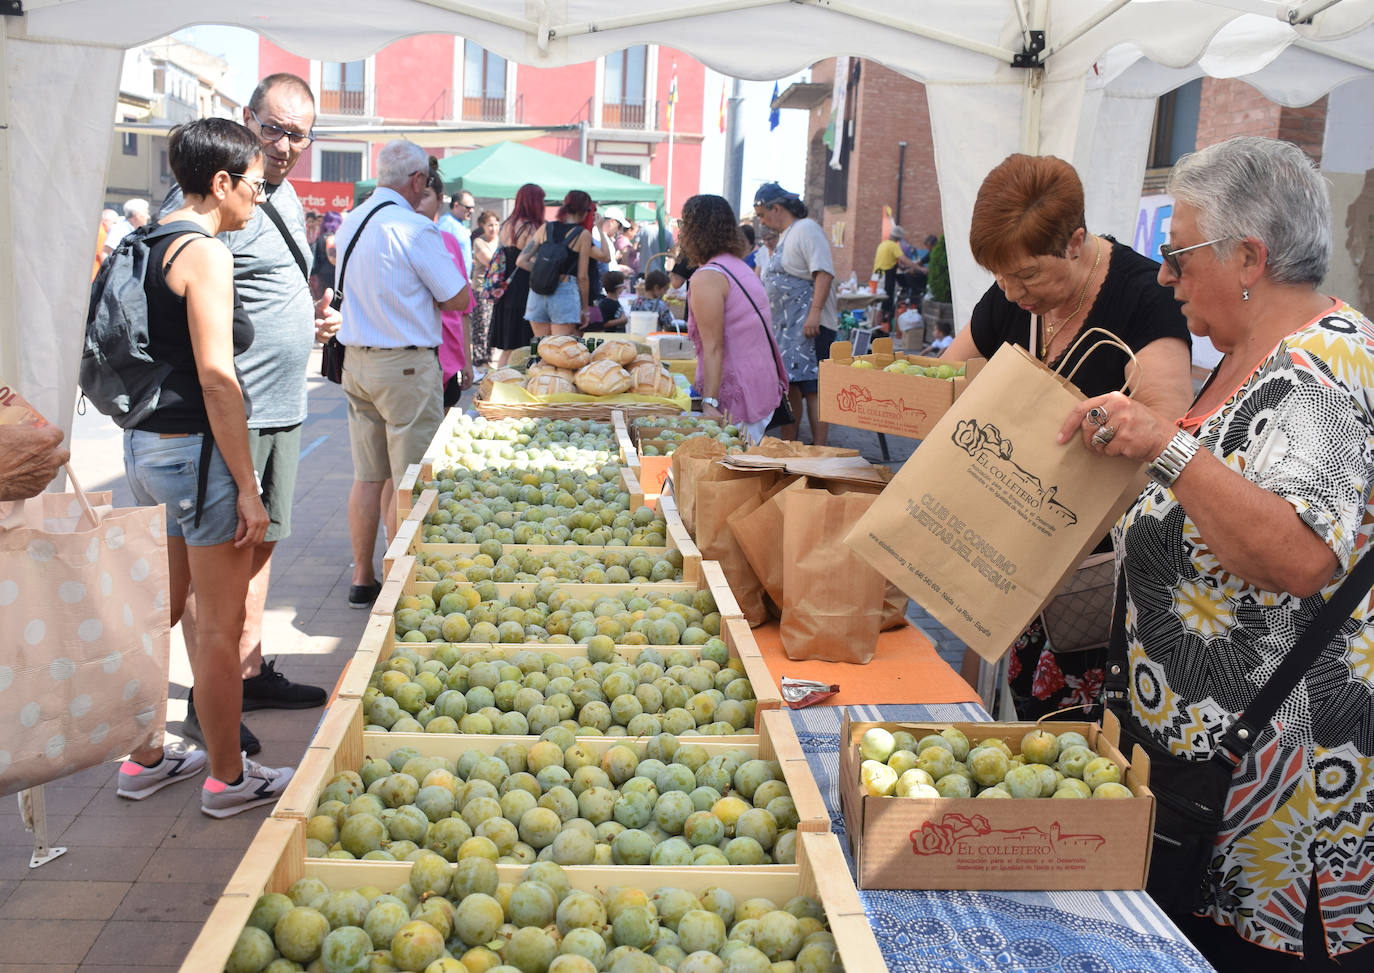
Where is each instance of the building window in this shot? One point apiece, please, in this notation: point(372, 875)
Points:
point(622, 99)
point(1175, 131)
point(342, 88)
point(633, 171)
point(484, 84)
point(129, 139)
point(164, 170)
point(340, 166)
point(836, 191)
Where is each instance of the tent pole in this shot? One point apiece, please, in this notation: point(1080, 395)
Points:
point(1033, 98)
point(9, 306)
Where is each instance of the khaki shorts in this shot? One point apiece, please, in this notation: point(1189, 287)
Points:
point(395, 405)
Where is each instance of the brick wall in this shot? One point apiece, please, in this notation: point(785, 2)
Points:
point(1231, 107)
point(890, 108)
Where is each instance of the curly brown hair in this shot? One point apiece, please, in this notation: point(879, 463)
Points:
point(709, 228)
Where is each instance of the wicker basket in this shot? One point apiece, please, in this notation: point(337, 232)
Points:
point(570, 410)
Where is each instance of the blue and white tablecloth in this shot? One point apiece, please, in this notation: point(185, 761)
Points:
point(919, 931)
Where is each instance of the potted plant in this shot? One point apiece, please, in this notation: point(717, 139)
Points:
point(937, 306)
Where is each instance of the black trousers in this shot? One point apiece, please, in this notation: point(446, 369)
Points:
point(1225, 949)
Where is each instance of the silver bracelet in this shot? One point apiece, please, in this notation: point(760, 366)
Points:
point(1167, 466)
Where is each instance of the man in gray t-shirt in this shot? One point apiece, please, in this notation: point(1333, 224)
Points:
point(271, 276)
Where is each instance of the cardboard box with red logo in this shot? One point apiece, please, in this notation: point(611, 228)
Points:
point(887, 402)
point(975, 843)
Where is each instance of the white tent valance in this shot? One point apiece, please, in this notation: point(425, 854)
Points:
point(1087, 96)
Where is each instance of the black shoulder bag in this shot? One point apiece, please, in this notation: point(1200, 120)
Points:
point(332, 354)
point(1190, 795)
point(782, 415)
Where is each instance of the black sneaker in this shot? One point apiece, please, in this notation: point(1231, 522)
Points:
point(190, 729)
point(363, 595)
point(269, 689)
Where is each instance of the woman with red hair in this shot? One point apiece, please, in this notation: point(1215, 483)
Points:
point(564, 311)
point(509, 329)
point(1053, 281)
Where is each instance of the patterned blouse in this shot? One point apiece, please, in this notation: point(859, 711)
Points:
point(1201, 641)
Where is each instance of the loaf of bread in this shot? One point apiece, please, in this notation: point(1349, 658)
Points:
point(549, 384)
point(650, 378)
point(500, 375)
point(564, 351)
point(618, 350)
point(544, 368)
point(603, 377)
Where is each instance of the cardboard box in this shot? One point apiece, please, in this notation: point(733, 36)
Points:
point(887, 402)
point(973, 843)
point(276, 859)
point(672, 346)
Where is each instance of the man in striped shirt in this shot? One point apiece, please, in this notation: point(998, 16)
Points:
point(397, 276)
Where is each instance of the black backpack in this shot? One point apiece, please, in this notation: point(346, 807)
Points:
point(117, 373)
point(551, 260)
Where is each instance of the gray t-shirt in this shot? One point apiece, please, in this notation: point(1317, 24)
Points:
point(805, 252)
point(277, 298)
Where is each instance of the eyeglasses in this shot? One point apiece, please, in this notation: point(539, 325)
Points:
point(273, 133)
point(259, 185)
point(1170, 254)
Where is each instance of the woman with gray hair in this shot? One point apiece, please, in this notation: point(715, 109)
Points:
point(1259, 509)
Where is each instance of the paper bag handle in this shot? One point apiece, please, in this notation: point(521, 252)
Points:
point(1106, 338)
point(33, 507)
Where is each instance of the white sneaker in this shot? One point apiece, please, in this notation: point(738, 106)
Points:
point(179, 762)
point(260, 785)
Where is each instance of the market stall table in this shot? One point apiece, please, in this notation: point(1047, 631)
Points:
point(918, 931)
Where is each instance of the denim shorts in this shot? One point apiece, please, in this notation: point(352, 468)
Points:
point(563, 306)
point(165, 470)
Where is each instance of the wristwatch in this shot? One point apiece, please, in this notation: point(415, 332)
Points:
point(712, 401)
point(1166, 467)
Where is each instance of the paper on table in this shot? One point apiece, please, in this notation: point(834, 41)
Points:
point(853, 468)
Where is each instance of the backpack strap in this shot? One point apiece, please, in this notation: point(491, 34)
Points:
point(272, 214)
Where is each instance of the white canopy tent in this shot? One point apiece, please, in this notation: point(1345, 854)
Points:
point(1085, 88)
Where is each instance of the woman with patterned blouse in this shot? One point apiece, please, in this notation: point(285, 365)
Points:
point(1259, 508)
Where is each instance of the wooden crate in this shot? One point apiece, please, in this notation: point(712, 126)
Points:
point(276, 859)
point(342, 744)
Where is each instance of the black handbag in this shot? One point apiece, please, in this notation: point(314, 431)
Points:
point(1190, 795)
point(782, 415)
point(332, 354)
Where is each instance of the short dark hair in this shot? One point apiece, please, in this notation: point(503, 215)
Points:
point(433, 180)
point(655, 279)
point(199, 149)
point(612, 279)
point(748, 230)
point(709, 228)
point(282, 79)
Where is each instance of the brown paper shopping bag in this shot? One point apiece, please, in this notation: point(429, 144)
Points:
point(832, 601)
point(759, 535)
point(988, 515)
point(84, 605)
point(690, 459)
point(717, 499)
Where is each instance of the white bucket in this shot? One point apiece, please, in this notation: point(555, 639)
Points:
point(643, 323)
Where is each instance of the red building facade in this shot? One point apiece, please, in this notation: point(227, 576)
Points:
point(622, 100)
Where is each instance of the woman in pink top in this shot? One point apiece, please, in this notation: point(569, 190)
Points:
point(739, 370)
point(455, 350)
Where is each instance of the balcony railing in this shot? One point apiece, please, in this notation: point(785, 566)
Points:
point(484, 109)
point(616, 114)
point(334, 101)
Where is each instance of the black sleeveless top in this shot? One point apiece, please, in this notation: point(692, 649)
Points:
point(556, 231)
point(181, 406)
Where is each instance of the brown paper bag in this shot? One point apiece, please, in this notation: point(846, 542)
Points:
point(832, 602)
point(691, 458)
point(894, 599)
point(988, 515)
point(716, 500)
point(759, 535)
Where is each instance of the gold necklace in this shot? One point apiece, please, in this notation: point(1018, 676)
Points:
point(1051, 327)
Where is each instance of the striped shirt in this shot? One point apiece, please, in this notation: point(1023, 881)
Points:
point(396, 273)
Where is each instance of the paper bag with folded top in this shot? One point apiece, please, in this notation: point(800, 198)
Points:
point(988, 515)
point(719, 492)
point(691, 457)
point(832, 606)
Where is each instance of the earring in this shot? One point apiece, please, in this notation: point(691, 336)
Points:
point(1245, 293)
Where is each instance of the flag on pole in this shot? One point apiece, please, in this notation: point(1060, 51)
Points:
point(774, 115)
point(672, 94)
point(722, 107)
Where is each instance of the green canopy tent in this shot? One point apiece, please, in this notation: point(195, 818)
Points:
point(498, 171)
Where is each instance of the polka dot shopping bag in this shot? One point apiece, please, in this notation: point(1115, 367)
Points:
point(84, 610)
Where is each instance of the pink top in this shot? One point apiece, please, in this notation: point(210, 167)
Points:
point(453, 354)
point(751, 383)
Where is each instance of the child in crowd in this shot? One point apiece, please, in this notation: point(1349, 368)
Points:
point(613, 315)
point(942, 339)
point(655, 286)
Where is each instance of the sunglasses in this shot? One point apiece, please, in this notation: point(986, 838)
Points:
point(259, 185)
point(1170, 254)
point(273, 133)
